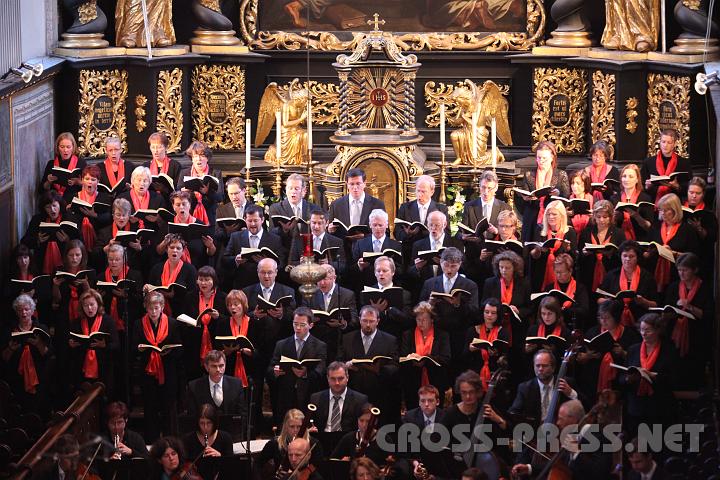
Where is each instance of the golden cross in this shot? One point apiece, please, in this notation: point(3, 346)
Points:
point(377, 22)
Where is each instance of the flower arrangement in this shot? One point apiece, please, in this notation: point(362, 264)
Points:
point(455, 201)
point(257, 193)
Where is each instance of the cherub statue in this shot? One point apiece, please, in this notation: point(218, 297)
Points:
point(293, 106)
point(481, 104)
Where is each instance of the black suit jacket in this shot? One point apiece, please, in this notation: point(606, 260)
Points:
point(293, 391)
point(199, 393)
point(473, 213)
point(339, 264)
point(284, 208)
point(246, 274)
point(527, 401)
point(410, 212)
point(341, 297)
point(340, 208)
point(367, 276)
point(351, 409)
point(273, 329)
point(659, 474)
point(427, 271)
point(416, 416)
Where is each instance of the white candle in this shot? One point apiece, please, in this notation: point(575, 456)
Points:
point(493, 128)
point(247, 144)
point(278, 139)
point(474, 133)
point(309, 126)
point(663, 26)
point(442, 127)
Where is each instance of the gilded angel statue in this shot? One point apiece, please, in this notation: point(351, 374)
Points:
point(293, 108)
point(480, 104)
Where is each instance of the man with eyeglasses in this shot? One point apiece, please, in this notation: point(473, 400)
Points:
point(421, 270)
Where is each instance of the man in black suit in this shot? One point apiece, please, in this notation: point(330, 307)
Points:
point(379, 379)
point(378, 241)
point(225, 392)
point(291, 387)
point(429, 411)
point(330, 296)
point(349, 402)
point(394, 319)
point(235, 208)
point(293, 205)
point(644, 466)
point(320, 241)
point(453, 314)
point(243, 269)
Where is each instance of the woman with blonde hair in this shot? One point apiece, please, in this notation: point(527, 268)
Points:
point(206, 197)
point(634, 221)
point(554, 226)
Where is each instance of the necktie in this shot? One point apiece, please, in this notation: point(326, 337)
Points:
point(427, 422)
point(216, 394)
point(299, 345)
point(423, 213)
point(545, 404)
point(335, 414)
point(327, 296)
point(296, 211)
point(377, 247)
point(366, 342)
point(486, 210)
point(355, 212)
point(238, 212)
point(254, 241)
point(448, 285)
point(266, 293)
point(316, 243)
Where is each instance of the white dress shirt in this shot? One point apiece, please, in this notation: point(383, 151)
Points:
point(330, 409)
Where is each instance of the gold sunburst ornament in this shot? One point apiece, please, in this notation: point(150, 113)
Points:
point(371, 98)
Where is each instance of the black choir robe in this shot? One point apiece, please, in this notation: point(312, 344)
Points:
point(649, 167)
point(531, 208)
point(187, 277)
point(536, 268)
point(586, 263)
point(411, 374)
point(104, 356)
point(211, 199)
point(647, 212)
point(647, 288)
point(192, 336)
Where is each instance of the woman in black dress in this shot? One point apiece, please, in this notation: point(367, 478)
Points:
point(701, 217)
point(66, 156)
point(575, 312)
point(635, 222)
point(549, 322)
point(208, 440)
point(594, 264)
point(199, 249)
point(173, 270)
point(113, 234)
point(554, 226)
point(206, 199)
point(600, 171)
point(483, 359)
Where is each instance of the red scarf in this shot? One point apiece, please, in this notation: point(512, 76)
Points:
point(72, 165)
point(200, 213)
point(506, 293)
point(112, 177)
point(607, 373)
point(140, 203)
point(115, 229)
point(541, 332)
point(236, 330)
point(490, 336)
point(114, 312)
point(53, 257)
point(581, 221)
point(599, 271)
point(627, 225)
point(570, 292)
point(598, 176)
point(186, 251)
point(627, 318)
point(74, 302)
point(549, 276)
point(165, 166)
point(424, 347)
point(26, 368)
point(88, 232)
point(662, 170)
point(699, 206)
point(681, 332)
point(205, 342)
point(662, 267)
point(90, 364)
point(539, 184)
point(647, 362)
point(169, 277)
point(155, 367)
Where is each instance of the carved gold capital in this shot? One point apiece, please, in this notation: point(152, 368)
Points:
point(213, 5)
point(631, 113)
point(603, 107)
point(87, 12)
point(169, 108)
point(218, 105)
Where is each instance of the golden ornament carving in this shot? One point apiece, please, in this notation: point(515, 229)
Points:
point(631, 113)
point(559, 105)
point(363, 113)
point(327, 41)
point(140, 103)
point(325, 101)
point(692, 4)
point(292, 107)
point(169, 109)
point(213, 5)
point(602, 125)
point(218, 106)
point(668, 107)
point(103, 94)
point(87, 12)
point(440, 93)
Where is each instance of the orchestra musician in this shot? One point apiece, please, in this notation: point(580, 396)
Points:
point(208, 440)
point(127, 443)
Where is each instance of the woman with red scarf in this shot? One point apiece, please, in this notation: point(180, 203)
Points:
point(574, 313)
point(507, 229)
point(580, 186)
point(159, 378)
point(161, 163)
point(142, 198)
point(671, 232)
point(27, 360)
point(547, 174)
point(92, 360)
point(66, 156)
point(690, 335)
point(112, 235)
point(173, 270)
point(600, 171)
point(207, 198)
point(484, 359)
point(21, 270)
point(424, 340)
point(199, 340)
point(706, 226)
point(630, 276)
point(199, 250)
point(114, 169)
point(594, 264)
point(635, 222)
point(666, 161)
point(554, 225)
point(549, 322)
point(646, 402)
point(595, 373)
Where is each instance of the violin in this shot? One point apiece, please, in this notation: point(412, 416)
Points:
point(82, 472)
point(186, 472)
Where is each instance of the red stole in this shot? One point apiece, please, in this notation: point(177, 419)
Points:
point(599, 271)
point(200, 213)
point(506, 293)
point(88, 232)
point(186, 251)
point(699, 206)
point(169, 277)
point(549, 276)
point(681, 332)
point(236, 330)
point(155, 367)
point(490, 336)
point(154, 167)
point(74, 302)
point(114, 312)
point(140, 203)
point(115, 229)
point(570, 292)
point(647, 362)
point(607, 373)
point(112, 177)
point(53, 257)
point(72, 165)
point(424, 347)
point(627, 225)
point(539, 183)
point(579, 222)
point(542, 329)
point(627, 317)
point(205, 342)
point(663, 170)
point(598, 176)
point(662, 267)
point(26, 368)
point(90, 364)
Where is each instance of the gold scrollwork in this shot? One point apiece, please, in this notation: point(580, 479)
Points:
point(140, 103)
point(169, 109)
point(692, 4)
point(559, 106)
point(87, 12)
point(668, 107)
point(218, 105)
point(325, 98)
point(213, 5)
point(328, 41)
point(603, 107)
point(441, 93)
point(631, 113)
point(95, 86)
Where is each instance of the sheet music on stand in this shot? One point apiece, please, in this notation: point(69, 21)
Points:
point(256, 446)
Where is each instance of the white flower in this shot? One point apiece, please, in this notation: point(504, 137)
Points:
point(452, 210)
point(460, 199)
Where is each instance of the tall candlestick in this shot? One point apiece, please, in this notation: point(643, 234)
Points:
point(493, 128)
point(278, 139)
point(248, 134)
point(442, 127)
point(475, 115)
point(663, 26)
point(309, 126)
